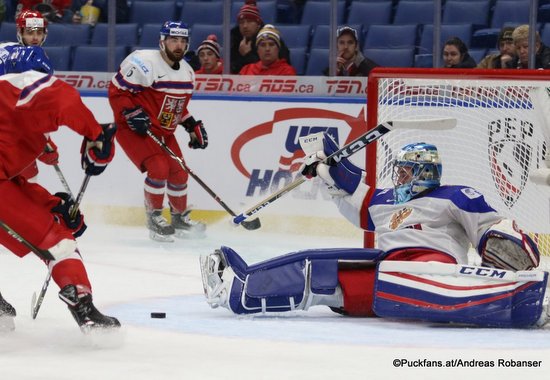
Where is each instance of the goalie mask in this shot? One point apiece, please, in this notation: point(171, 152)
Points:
point(417, 168)
point(31, 20)
point(175, 29)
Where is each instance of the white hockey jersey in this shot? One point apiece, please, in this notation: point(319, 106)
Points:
point(145, 79)
point(449, 219)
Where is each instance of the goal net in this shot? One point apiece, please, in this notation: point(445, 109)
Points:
point(501, 137)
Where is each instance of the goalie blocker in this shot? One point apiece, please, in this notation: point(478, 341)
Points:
point(429, 291)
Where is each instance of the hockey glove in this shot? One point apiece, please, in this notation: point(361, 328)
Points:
point(137, 120)
point(98, 153)
point(63, 211)
point(50, 155)
point(342, 176)
point(198, 139)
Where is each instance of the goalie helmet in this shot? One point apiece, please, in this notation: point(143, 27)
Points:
point(177, 29)
point(33, 20)
point(417, 168)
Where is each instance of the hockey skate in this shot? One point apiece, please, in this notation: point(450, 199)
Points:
point(84, 312)
point(159, 228)
point(545, 315)
point(7, 315)
point(215, 281)
point(185, 227)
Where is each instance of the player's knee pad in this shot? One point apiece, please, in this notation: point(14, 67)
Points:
point(461, 294)
point(290, 282)
point(505, 246)
point(66, 248)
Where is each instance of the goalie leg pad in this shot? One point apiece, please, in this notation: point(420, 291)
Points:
point(462, 294)
point(293, 281)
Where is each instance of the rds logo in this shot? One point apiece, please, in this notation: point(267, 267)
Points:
point(280, 136)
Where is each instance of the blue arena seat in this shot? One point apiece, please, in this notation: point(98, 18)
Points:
point(485, 38)
point(370, 13)
point(94, 58)
point(477, 54)
point(321, 36)
point(148, 12)
point(467, 12)
point(199, 32)
point(68, 35)
point(511, 11)
point(295, 36)
point(317, 61)
point(391, 57)
point(150, 35)
point(298, 59)
point(423, 60)
point(268, 11)
point(414, 12)
point(8, 32)
point(202, 12)
point(545, 34)
point(391, 36)
point(60, 56)
point(318, 12)
point(125, 35)
point(462, 31)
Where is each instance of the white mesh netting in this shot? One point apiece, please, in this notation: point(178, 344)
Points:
point(498, 141)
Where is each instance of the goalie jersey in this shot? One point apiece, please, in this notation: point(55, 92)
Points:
point(145, 79)
point(449, 219)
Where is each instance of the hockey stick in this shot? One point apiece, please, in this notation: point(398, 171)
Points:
point(249, 225)
point(36, 302)
point(64, 182)
point(350, 149)
point(76, 205)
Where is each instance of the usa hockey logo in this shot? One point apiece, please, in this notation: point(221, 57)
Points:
point(512, 150)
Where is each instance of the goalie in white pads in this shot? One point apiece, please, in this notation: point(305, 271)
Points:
point(421, 270)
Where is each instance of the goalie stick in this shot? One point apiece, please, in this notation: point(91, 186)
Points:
point(350, 149)
point(249, 225)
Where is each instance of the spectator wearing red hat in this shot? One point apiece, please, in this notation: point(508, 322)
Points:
point(268, 44)
point(243, 38)
point(209, 56)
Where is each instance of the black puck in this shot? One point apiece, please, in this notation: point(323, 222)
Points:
point(158, 315)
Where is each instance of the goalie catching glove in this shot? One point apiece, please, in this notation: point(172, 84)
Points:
point(505, 246)
point(342, 178)
point(98, 153)
point(198, 138)
point(62, 212)
point(137, 119)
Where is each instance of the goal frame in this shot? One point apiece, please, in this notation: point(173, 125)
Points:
point(380, 73)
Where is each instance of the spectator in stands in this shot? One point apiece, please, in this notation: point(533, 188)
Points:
point(507, 51)
point(52, 10)
point(268, 44)
point(243, 38)
point(350, 61)
point(209, 56)
point(456, 56)
point(122, 10)
point(521, 41)
point(2, 10)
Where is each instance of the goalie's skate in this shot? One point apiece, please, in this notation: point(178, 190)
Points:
point(545, 315)
point(217, 279)
point(185, 227)
point(84, 312)
point(7, 315)
point(159, 228)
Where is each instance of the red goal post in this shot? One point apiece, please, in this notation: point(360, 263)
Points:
point(501, 137)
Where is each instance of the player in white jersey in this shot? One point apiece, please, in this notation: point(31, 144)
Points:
point(151, 91)
point(420, 269)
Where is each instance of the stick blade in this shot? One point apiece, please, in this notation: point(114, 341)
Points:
point(253, 224)
point(34, 312)
point(428, 124)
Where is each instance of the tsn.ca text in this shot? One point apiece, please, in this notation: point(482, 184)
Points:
point(466, 363)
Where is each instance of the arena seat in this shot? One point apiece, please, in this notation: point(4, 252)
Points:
point(295, 36)
point(462, 31)
point(317, 61)
point(149, 12)
point(298, 59)
point(67, 35)
point(94, 58)
point(8, 32)
point(318, 12)
point(60, 56)
point(515, 11)
point(467, 12)
point(423, 60)
point(391, 57)
point(125, 34)
point(150, 35)
point(370, 13)
point(202, 12)
point(199, 32)
point(414, 12)
point(391, 36)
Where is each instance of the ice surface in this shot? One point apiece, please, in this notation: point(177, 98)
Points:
point(133, 276)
